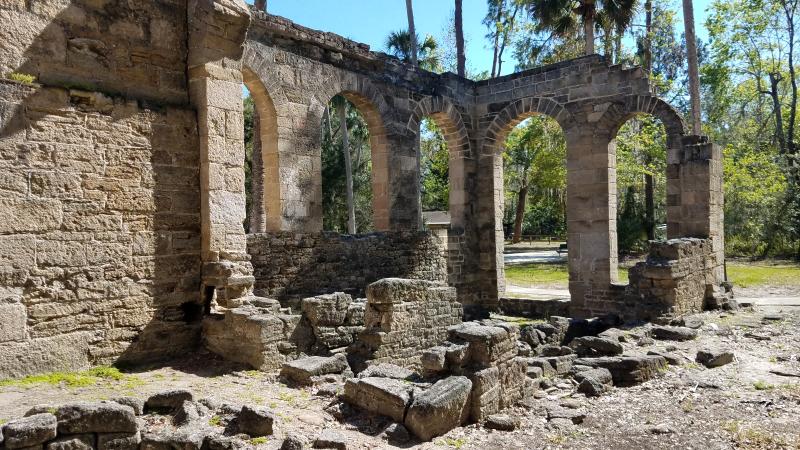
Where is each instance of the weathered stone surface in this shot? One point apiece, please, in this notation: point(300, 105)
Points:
point(103, 417)
point(627, 370)
point(303, 370)
point(167, 401)
point(386, 370)
point(596, 346)
point(330, 439)
point(397, 433)
point(576, 416)
point(293, 441)
point(136, 403)
point(215, 442)
point(714, 357)
point(502, 422)
point(118, 441)
point(669, 333)
point(73, 442)
point(385, 396)
point(672, 359)
point(594, 382)
point(440, 408)
point(328, 310)
point(29, 431)
point(255, 422)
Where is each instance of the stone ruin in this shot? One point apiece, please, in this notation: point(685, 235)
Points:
point(122, 202)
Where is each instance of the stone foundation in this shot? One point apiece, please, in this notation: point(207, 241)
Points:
point(296, 265)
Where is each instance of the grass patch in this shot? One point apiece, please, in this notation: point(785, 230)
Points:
point(749, 275)
point(762, 386)
point(450, 442)
point(259, 440)
point(73, 379)
point(215, 421)
point(753, 438)
point(537, 274)
point(22, 77)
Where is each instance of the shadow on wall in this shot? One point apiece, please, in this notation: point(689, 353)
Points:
point(100, 197)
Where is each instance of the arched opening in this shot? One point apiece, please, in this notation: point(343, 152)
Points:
point(533, 181)
point(434, 174)
point(641, 149)
point(346, 194)
point(262, 186)
point(366, 142)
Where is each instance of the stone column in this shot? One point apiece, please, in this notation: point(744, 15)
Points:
point(591, 219)
point(701, 195)
point(217, 30)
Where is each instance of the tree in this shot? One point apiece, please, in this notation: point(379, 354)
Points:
point(348, 165)
point(459, 25)
point(412, 32)
point(691, 56)
point(399, 44)
point(501, 20)
point(261, 5)
point(560, 17)
point(614, 18)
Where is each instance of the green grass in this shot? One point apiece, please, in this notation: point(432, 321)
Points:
point(72, 379)
point(763, 386)
point(259, 440)
point(749, 275)
point(22, 77)
point(537, 274)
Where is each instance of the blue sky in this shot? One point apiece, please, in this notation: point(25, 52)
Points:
point(370, 21)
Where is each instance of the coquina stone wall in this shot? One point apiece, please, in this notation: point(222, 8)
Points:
point(99, 199)
point(295, 265)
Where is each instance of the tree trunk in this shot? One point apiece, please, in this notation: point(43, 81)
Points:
point(694, 74)
point(412, 31)
point(508, 29)
point(648, 38)
point(497, 38)
point(588, 25)
point(348, 167)
point(608, 45)
point(460, 55)
point(522, 198)
point(774, 80)
point(256, 222)
point(618, 46)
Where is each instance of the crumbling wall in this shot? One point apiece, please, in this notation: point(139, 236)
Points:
point(677, 278)
point(295, 265)
point(402, 318)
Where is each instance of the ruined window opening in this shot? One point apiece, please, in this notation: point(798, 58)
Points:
point(533, 180)
point(434, 168)
point(334, 180)
point(640, 145)
point(261, 181)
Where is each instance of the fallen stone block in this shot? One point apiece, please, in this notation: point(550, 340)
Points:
point(136, 403)
point(434, 359)
point(118, 441)
point(628, 370)
point(440, 408)
point(29, 431)
point(328, 310)
point(190, 438)
point(189, 412)
point(613, 334)
point(554, 350)
point(255, 422)
point(594, 382)
point(72, 442)
point(714, 357)
point(559, 412)
point(293, 441)
point(167, 401)
point(385, 396)
point(386, 370)
point(302, 371)
point(596, 346)
point(102, 417)
point(502, 422)
point(668, 333)
point(673, 359)
point(397, 433)
point(553, 365)
point(217, 442)
point(331, 439)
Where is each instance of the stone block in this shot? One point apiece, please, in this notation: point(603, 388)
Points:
point(714, 357)
point(167, 401)
point(13, 322)
point(29, 431)
point(627, 370)
point(29, 215)
point(255, 422)
point(440, 408)
point(102, 417)
point(73, 442)
point(304, 370)
point(594, 382)
point(118, 441)
point(385, 396)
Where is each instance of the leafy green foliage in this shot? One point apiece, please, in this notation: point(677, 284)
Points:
point(71, 379)
point(22, 77)
point(434, 167)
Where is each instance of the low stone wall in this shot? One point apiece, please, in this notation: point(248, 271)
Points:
point(295, 265)
point(403, 318)
point(677, 278)
point(534, 309)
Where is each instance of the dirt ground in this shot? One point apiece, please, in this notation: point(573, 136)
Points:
point(741, 405)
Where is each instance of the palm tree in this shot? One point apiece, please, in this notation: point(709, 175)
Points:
point(614, 17)
point(560, 18)
point(399, 44)
point(461, 58)
point(412, 31)
point(694, 75)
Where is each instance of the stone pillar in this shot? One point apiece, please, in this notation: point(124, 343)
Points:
point(591, 218)
point(217, 30)
point(701, 195)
